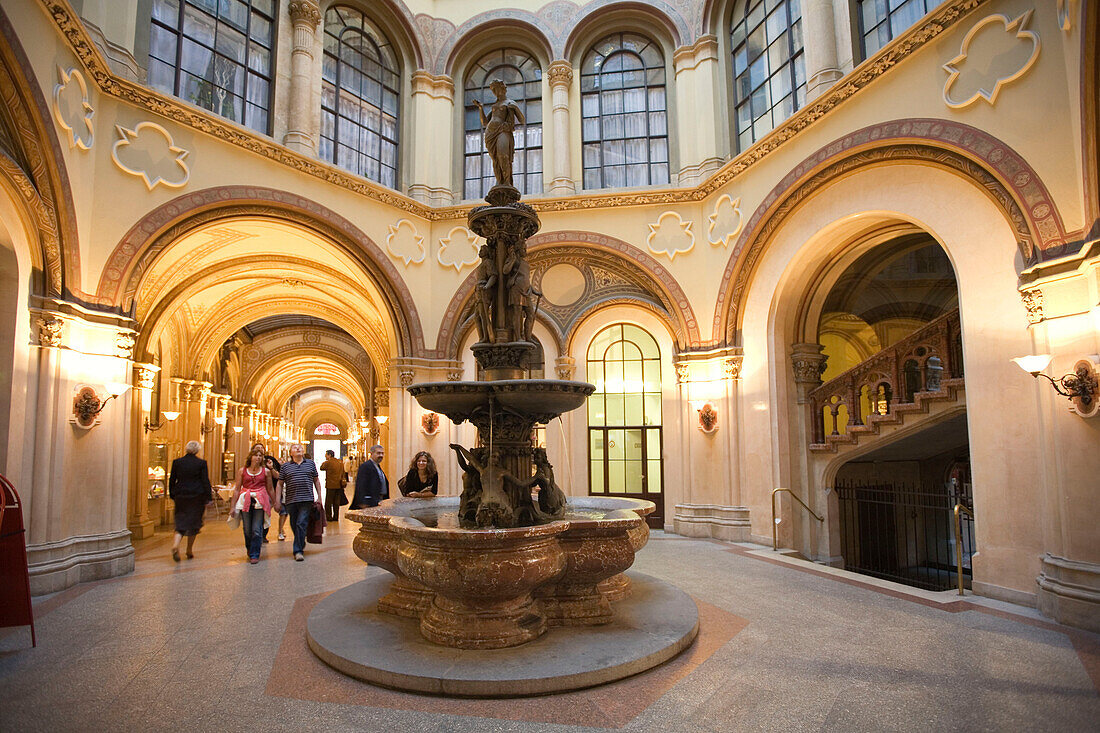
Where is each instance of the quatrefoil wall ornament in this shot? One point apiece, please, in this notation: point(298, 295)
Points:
point(72, 109)
point(726, 221)
point(670, 235)
point(148, 151)
point(985, 40)
point(458, 249)
point(405, 243)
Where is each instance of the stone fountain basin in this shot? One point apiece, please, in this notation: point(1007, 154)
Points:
point(541, 397)
point(489, 588)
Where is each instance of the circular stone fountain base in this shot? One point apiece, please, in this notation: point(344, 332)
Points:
point(653, 624)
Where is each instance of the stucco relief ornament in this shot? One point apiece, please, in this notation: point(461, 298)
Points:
point(731, 367)
point(49, 331)
point(72, 109)
point(405, 243)
point(708, 418)
point(991, 39)
point(406, 378)
point(429, 423)
point(726, 221)
point(670, 235)
point(124, 342)
point(148, 151)
point(1033, 302)
point(682, 371)
point(458, 249)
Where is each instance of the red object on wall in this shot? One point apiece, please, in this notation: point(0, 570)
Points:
point(15, 582)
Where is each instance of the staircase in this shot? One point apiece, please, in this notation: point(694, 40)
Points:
point(918, 376)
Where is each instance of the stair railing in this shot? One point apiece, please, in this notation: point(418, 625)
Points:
point(917, 363)
point(775, 518)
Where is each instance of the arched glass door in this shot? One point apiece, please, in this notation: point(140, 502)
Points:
point(624, 417)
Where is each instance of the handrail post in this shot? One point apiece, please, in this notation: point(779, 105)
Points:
point(958, 544)
point(775, 524)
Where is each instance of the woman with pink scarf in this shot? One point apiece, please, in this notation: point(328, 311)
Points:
point(252, 501)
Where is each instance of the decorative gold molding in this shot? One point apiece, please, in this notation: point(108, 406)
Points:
point(1033, 302)
point(935, 24)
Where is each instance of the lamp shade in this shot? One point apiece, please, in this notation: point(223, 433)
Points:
point(238, 428)
point(1033, 363)
point(381, 419)
point(220, 421)
point(115, 389)
point(170, 415)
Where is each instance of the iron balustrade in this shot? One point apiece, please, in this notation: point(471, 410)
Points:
point(905, 534)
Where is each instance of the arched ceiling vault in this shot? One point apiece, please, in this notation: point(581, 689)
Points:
point(290, 377)
point(230, 272)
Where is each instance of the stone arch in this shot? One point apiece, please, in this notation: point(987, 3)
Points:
point(36, 167)
point(992, 166)
point(645, 268)
point(151, 235)
point(472, 38)
point(394, 19)
point(658, 19)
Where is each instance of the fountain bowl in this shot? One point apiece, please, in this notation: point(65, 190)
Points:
point(489, 588)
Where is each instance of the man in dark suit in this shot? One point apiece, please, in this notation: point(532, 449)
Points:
point(371, 485)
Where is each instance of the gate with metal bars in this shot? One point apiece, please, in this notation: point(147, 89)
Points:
point(905, 534)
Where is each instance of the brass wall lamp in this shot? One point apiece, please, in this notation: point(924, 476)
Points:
point(169, 416)
point(1080, 386)
point(204, 428)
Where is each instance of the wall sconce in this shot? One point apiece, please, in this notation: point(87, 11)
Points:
point(203, 429)
point(238, 428)
point(381, 419)
point(169, 415)
point(88, 404)
point(1080, 386)
point(708, 418)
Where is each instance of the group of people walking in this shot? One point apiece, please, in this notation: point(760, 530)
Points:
point(291, 489)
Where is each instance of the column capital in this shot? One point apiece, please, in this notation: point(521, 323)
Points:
point(304, 12)
point(559, 73)
point(435, 86)
point(145, 375)
point(808, 364)
point(705, 48)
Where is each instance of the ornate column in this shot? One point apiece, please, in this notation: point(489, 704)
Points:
point(305, 16)
point(809, 364)
point(432, 157)
point(696, 70)
point(560, 75)
point(140, 523)
point(819, 31)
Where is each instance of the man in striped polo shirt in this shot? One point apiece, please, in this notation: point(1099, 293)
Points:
point(301, 478)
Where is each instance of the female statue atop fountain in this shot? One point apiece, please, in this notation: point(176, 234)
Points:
point(499, 124)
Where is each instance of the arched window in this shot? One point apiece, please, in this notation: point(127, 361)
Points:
point(523, 75)
point(217, 55)
point(360, 79)
point(880, 21)
point(624, 414)
point(769, 69)
point(624, 114)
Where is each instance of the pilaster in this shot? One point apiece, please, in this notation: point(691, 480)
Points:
point(432, 111)
point(696, 77)
point(560, 76)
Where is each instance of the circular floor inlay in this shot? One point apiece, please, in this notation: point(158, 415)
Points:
point(563, 284)
point(651, 626)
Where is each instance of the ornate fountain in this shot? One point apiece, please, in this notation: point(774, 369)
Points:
point(511, 556)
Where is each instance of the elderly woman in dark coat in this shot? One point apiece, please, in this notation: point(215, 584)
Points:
point(190, 489)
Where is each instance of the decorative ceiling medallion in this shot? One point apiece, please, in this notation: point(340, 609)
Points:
point(72, 110)
point(670, 236)
point(726, 221)
point(148, 151)
point(989, 48)
point(405, 243)
point(458, 249)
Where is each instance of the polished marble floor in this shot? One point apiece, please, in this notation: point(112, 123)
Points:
point(216, 644)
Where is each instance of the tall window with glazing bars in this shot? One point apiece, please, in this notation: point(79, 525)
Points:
point(359, 97)
point(769, 69)
point(880, 21)
point(216, 54)
point(523, 75)
point(624, 114)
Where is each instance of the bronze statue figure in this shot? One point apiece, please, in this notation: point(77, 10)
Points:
point(498, 125)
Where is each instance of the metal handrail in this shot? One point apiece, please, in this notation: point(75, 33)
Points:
point(958, 543)
point(775, 522)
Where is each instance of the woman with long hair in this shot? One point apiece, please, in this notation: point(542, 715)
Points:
point(253, 500)
point(422, 480)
